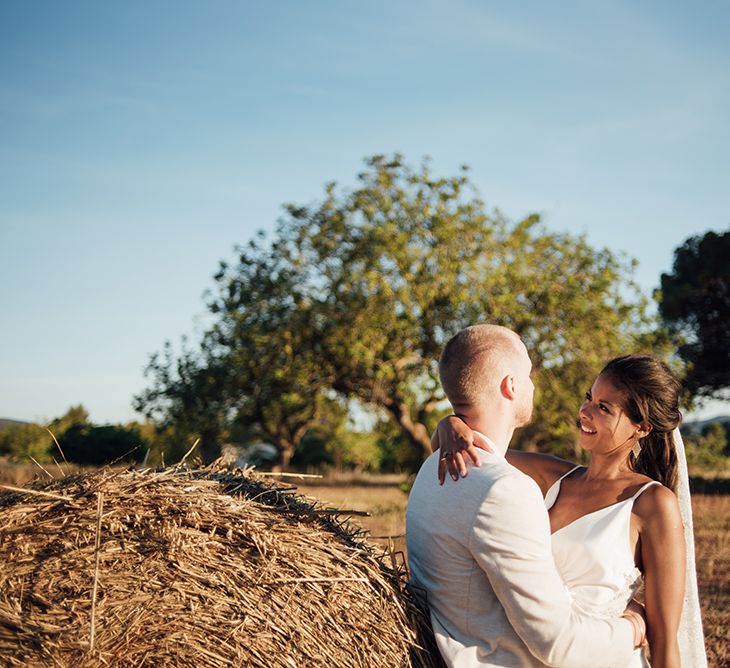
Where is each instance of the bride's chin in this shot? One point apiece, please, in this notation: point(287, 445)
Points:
point(586, 440)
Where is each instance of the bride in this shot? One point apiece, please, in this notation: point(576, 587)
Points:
point(617, 523)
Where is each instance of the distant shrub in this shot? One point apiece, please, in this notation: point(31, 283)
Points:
point(86, 444)
point(21, 441)
point(709, 449)
point(341, 448)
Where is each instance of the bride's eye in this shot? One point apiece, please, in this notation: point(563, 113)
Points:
point(588, 396)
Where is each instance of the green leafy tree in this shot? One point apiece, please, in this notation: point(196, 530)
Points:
point(402, 262)
point(358, 294)
point(259, 367)
point(26, 440)
point(694, 302)
point(397, 455)
point(186, 401)
point(267, 335)
point(336, 442)
point(709, 449)
point(75, 415)
point(21, 441)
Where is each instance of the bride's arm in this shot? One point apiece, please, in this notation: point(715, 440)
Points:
point(454, 437)
point(544, 469)
point(663, 558)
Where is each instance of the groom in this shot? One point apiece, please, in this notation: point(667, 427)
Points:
point(480, 551)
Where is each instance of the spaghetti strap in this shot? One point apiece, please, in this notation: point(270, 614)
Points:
point(565, 475)
point(552, 494)
point(644, 487)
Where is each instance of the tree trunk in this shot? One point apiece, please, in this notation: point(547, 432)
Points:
point(286, 452)
point(416, 432)
point(209, 448)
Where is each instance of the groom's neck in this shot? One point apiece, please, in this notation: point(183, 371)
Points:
point(492, 423)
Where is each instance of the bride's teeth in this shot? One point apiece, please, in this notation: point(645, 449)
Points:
point(586, 430)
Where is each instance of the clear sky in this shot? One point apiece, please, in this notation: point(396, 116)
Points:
point(140, 141)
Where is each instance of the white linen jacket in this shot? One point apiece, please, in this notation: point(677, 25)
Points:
point(479, 552)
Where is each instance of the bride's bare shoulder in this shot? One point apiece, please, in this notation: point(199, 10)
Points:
point(657, 506)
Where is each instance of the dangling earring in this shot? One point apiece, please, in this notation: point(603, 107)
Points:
point(636, 450)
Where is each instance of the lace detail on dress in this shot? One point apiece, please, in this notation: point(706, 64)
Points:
point(614, 608)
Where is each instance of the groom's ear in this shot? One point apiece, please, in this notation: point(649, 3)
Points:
point(507, 387)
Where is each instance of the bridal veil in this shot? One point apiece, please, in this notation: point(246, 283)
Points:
point(691, 638)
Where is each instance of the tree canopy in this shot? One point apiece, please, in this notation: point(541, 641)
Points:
point(186, 400)
point(356, 295)
point(694, 302)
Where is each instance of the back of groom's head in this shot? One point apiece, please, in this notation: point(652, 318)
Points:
point(474, 362)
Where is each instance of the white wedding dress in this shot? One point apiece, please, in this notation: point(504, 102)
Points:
point(594, 557)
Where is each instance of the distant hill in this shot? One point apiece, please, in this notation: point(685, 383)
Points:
point(696, 426)
point(6, 423)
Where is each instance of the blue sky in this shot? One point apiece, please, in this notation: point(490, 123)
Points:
point(139, 142)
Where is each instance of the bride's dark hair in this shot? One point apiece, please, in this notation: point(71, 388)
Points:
point(651, 397)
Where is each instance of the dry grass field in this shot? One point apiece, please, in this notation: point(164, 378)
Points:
point(712, 534)
point(383, 498)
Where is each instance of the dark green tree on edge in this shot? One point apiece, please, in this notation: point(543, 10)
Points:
point(695, 303)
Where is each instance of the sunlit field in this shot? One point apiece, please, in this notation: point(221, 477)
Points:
point(384, 499)
point(712, 533)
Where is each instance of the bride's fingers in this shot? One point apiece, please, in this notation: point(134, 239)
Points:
point(459, 466)
point(481, 443)
point(451, 464)
point(456, 451)
point(473, 453)
point(455, 462)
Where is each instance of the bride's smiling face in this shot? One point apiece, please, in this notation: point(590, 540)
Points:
point(604, 425)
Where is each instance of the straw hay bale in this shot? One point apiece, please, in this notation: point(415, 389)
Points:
point(193, 568)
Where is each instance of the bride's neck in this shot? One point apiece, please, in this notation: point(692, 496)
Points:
point(607, 466)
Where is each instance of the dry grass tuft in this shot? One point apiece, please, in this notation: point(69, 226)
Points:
point(194, 567)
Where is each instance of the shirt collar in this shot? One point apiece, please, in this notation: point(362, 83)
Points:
point(495, 448)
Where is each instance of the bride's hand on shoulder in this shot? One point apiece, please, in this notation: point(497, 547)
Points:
point(457, 443)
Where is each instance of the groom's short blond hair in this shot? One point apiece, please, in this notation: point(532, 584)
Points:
point(474, 361)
